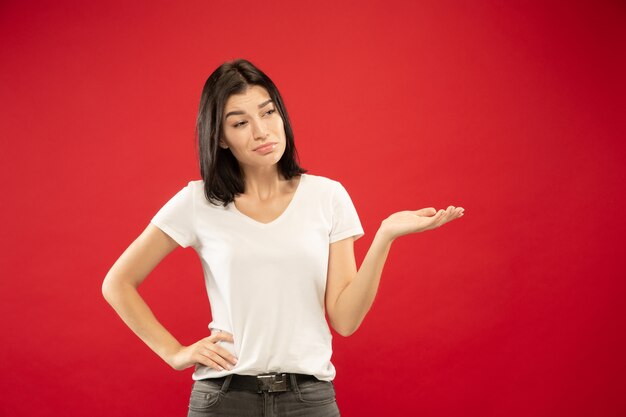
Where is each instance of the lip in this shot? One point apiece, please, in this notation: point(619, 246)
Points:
point(265, 146)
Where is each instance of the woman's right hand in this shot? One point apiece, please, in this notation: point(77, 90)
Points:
point(205, 352)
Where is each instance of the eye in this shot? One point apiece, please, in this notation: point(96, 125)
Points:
point(243, 122)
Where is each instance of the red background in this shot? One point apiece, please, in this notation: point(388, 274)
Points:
point(513, 110)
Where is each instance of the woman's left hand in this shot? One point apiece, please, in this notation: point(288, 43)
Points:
point(405, 222)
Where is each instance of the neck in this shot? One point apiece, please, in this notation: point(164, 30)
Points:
point(263, 182)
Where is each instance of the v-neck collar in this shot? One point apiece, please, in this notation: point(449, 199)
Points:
point(293, 201)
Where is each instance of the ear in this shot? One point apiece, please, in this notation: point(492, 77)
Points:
point(223, 145)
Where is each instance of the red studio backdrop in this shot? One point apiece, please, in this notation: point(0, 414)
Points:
point(512, 110)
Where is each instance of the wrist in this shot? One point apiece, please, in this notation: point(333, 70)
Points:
point(169, 356)
point(384, 235)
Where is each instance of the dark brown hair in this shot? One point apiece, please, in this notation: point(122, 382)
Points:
point(223, 178)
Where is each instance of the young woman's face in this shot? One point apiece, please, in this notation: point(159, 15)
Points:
point(253, 128)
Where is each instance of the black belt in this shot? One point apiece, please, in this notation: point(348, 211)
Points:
point(272, 382)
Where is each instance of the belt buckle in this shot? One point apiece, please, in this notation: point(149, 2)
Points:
point(272, 382)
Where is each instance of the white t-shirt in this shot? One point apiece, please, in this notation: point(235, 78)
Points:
point(266, 281)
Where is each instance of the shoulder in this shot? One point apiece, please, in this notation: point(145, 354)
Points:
point(196, 186)
point(189, 192)
point(196, 183)
point(196, 189)
point(193, 187)
point(325, 189)
point(321, 182)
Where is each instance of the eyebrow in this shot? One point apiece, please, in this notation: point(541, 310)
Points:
point(234, 112)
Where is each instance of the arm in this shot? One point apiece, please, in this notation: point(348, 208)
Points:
point(350, 294)
point(119, 289)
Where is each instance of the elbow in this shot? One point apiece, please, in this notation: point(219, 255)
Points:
point(110, 287)
point(116, 286)
point(344, 326)
point(106, 289)
point(345, 331)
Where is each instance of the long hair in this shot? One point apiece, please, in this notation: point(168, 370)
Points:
point(223, 178)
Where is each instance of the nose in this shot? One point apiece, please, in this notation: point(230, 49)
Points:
point(260, 131)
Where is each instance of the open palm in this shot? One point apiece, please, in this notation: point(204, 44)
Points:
point(408, 221)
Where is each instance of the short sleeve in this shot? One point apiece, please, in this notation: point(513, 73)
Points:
point(176, 217)
point(346, 221)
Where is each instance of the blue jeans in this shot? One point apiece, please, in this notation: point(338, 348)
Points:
point(309, 399)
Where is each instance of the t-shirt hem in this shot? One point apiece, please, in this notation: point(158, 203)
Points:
point(357, 232)
point(200, 374)
point(178, 238)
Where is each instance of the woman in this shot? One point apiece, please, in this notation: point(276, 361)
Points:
point(276, 246)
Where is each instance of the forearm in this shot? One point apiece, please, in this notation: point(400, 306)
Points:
point(357, 298)
point(133, 310)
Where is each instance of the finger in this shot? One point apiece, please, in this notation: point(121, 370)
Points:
point(452, 213)
point(211, 345)
point(217, 359)
point(211, 364)
point(204, 358)
point(215, 337)
point(447, 215)
point(224, 336)
point(224, 353)
point(218, 332)
point(439, 218)
point(429, 211)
